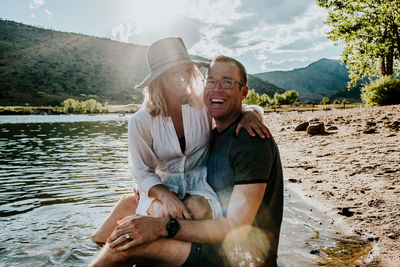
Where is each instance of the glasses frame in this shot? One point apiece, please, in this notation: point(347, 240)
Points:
point(219, 82)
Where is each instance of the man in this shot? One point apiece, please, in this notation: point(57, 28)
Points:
point(246, 174)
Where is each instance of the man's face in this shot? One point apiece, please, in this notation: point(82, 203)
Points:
point(223, 104)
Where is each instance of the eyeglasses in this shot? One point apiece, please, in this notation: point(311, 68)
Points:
point(226, 83)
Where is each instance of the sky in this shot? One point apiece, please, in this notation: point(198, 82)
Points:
point(265, 35)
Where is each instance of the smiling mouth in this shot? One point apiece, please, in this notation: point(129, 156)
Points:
point(217, 101)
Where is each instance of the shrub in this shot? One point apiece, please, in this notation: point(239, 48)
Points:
point(290, 97)
point(325, 101)
point(253, 98)
point(265, 100)
point(278, 99)
point(88, 106)
point(344, 102)
point(384, 91)
point(336, 102)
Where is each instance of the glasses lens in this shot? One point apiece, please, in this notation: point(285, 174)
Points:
point(227, 83)
point(210, 83)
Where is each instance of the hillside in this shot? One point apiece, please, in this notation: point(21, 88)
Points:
point(325, 77)
point(44, 67)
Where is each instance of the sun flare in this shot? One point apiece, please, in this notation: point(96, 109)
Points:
point(154, 14)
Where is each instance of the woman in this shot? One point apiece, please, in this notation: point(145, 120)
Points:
point(168, 142)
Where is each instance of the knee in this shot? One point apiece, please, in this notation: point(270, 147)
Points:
point(198, 207)
point(128, 202)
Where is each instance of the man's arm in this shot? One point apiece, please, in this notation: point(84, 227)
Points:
point(243, 206)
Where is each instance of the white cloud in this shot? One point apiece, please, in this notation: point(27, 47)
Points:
point(36, 3)
point(33, 16)
point(49, 14)
point(232, 27)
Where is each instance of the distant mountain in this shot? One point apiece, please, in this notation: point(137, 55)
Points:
point(44, 67)
point(323, 78)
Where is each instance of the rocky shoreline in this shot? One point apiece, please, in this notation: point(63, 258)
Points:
point(352, 168)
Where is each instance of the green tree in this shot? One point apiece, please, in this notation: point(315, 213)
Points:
point(279, 99)
point(71, 106)
point(265, 100)
point(335, 102)
point(345, 101)
point(370, 30)
point(325, 101)
point(253, 98)
point(384, 91)
point(290, 97)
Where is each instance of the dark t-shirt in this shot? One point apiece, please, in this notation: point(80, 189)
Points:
point(243, 159)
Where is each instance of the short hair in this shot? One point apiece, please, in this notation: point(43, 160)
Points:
point(241, 68)
point(154, 93)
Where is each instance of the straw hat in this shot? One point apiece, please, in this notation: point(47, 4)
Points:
point(164, 54)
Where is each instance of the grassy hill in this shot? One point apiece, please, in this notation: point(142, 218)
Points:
point(325, 77)
point(44, 67)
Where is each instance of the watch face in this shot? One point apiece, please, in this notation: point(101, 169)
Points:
point(172, 227)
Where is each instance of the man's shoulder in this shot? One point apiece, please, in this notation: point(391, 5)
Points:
point(245, 139)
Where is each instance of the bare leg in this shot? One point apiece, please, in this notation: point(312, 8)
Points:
point(198, 207)
point(125, 206)
point(163, 252)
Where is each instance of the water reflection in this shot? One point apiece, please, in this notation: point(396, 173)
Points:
point(61, 175)
point(57, 182)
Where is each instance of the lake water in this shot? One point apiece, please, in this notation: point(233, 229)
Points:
point(61, 175)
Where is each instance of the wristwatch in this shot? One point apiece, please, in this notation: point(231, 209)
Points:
point(172, 227)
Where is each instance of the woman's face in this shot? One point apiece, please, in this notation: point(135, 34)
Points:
point(177, 78)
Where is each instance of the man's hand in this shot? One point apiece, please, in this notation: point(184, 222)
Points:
point(251, 122)
point(136, 230)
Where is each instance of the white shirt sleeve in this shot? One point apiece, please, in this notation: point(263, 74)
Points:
point(142, 161)
point(255, 108)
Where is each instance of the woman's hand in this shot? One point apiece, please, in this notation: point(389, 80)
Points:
point(251, 122)
point(136, 230)
point(172, 206)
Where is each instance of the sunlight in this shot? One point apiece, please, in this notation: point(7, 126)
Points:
point(155, 14)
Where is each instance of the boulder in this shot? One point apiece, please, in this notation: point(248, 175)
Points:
point(302, 126)
point(315, 127)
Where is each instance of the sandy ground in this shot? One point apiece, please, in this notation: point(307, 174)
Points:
point(353, 170)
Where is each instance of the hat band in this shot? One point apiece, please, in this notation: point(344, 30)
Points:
point(169, 59)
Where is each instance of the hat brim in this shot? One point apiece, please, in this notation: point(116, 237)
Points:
point(155, 73)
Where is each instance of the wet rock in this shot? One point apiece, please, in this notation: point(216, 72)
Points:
point(369, 130)
point(315, 252)
point(345, 212)
point(332, 128)
point(302, 126)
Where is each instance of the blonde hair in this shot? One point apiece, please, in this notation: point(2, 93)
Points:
point(154, 99)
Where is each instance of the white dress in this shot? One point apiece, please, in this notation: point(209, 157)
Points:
point(155, 155)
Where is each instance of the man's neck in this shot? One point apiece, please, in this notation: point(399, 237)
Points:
point(223, 123)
